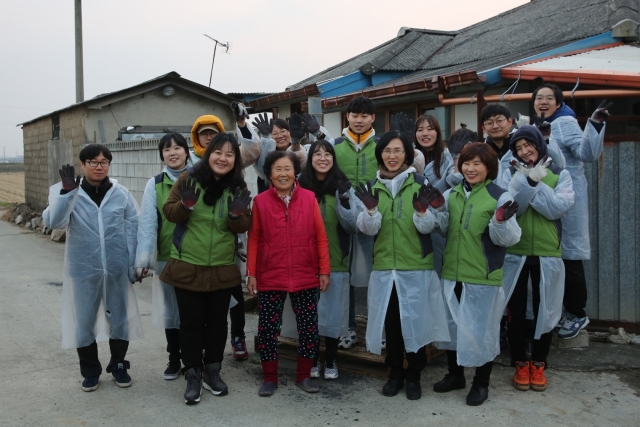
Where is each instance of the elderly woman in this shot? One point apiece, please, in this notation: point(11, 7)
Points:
point(288, 253)
point(478, 219)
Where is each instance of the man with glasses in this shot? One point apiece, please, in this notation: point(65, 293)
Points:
point(496, 123)
point(98, 301)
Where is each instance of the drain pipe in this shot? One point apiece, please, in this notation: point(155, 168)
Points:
point(580, 94)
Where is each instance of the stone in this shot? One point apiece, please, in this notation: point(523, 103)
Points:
point(635, 340)
point(579, 341)
point(619, 336)
point(59, 235)
point(598, 336)
point(36, 223)
point(19, 219)
point(27, 224)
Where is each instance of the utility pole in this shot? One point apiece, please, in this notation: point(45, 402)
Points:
point(227, 45)
point(79, 65)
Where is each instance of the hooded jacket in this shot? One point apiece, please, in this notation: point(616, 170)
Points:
point(203, 120)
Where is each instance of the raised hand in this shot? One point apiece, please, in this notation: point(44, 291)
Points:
point(544, 127)
point(367, 197)
point(240, 202)
point(519, 167)
point(69, 180)
point(402, 123)
point(312, 123)
point(189, 193)
point(602, 112)
point(506, 211)
point(343, 193)
point(539, 171)
point(434, 197)
point(264, 124)
point(421, 200)
point(297, 128)
point(240, 112)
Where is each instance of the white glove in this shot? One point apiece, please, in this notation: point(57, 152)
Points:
point(522, 120)
point(519, 167)
point(140, 273)
point(539, 171)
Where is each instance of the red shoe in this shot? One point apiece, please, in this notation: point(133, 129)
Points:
point(521, 380)
point(239, 347)
point(538, 379)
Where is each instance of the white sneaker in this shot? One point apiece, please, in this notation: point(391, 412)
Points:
point(348, 340)
point(331, 372)
point(383, 344)
point(315, 370)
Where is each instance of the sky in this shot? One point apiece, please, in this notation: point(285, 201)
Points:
point(274, 44)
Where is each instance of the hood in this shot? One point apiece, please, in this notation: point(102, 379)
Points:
point(532, 135)
point(203, 120)
point(563, 111)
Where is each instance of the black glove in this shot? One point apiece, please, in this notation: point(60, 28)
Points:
point(312, 123)
point(67, 173)
point(297, 128)
point(366, 195)
point(602, 112)
point(239, 111)
point(434, 196)
point(403, 124)
point(545, 128)
point(343, 193)
point(189, 194)
point(264, 126)
point(459, 139)
point(421, 200)
point(240, 202)
point(506, 211)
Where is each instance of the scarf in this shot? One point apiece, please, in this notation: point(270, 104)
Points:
point(385, 174)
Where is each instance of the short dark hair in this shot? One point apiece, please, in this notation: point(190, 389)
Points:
point(165, 142)
point(494, 110)
point(486, 154)
point(275, 155)
point(361, 104)
point(387, 138)
point(557, 93)
point(92, 151)
point(282, 124)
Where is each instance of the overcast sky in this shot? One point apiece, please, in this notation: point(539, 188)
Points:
point(274, 44)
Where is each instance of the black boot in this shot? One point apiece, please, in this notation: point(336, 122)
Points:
point(212, 380)
point(448, 383)
point(477, 395)
point(414, 391)
point(392, 386)
point(194, 386)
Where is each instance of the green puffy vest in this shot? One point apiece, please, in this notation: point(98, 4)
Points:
point(359, 166)
point(165, 228)
point(470, 256)
point(339, 239)
point(540, 236)
point(205, 238)
point(398, 245)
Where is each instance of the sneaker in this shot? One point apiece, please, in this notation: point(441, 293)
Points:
point(348, 340)
point(194, 386)
point(212, 381)
point(383, 344)
point(173, 370)
point(239, 347)
point(315, 369)
point(331, 371)
point(572, 326)
point(563, 319)
point(90, 383)
point(538, 379)
point(521, 378)
point(123, 379)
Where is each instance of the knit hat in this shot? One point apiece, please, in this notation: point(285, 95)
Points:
point(532, 135)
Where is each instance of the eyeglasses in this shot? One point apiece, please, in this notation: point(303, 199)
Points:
point(208, 133)
point(396, 153)
point(321, 156)
point(279, 134)
point(499, 122)
point(95, 163)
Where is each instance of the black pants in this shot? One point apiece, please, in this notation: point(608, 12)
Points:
point(173, 344)
point(575, 288)
point(517, 328)
point(483, 373)
point(331, 350)
point(395, 345)
point(236, 314)
point(203, 325)
point(89, 363)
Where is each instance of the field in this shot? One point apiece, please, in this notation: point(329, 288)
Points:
point(11, 187)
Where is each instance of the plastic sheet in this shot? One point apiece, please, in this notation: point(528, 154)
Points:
point(164, 306)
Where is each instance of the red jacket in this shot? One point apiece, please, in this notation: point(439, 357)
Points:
point(288, 246)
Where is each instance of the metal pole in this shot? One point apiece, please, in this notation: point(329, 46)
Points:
point(212, 61)
point(79, 65)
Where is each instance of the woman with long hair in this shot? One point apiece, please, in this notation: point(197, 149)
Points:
point(439, 165)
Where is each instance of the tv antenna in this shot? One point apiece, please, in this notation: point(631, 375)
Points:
point(226, 45)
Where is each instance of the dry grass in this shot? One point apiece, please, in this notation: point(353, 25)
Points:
point(12, 187)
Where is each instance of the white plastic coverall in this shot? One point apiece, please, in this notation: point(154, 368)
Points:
point(98, 301)
point(577, 147)
point(474, 321)
point(553, 205)
point(422, 313)
point(333, 305)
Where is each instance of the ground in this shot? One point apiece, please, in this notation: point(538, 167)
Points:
point(40, 383)
point(11, 187)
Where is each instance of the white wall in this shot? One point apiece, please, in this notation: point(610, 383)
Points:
point(333, 123)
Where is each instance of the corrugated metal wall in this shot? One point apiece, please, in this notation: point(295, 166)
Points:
point(613, 273)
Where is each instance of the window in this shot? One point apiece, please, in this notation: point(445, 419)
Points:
point(55, 126)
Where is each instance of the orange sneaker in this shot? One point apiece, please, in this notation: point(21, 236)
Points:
point(521, 378)
point(538, 379)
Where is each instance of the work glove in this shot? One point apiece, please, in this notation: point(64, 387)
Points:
point(602, 112)
point(311, 122)
point(189, 193)
point(69, 183)
point(519, 167)
point(367, 197)
point(240, 202)
point(421, 200)
point(401, 123)
point(297, 128)
point(239, 111)
point(522, 120)
point(545, 128)
point(343, 193)
point(539, 171)
point(434, 197)
point(140, 273)
point(264, 125)
point(506, 211)
point(459, 139)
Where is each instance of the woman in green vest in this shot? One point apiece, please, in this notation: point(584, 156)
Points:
point(405, 298)
point(544, 194)
point(478, 219)
point(209, 204)
point(154, 244)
